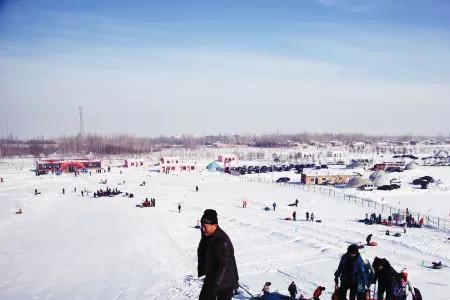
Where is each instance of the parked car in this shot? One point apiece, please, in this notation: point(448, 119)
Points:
point(424, 179)
point(395, 186)
point(394, 169)
point(283, 179)
point(367, 187)
point(395, 181)
point(386, 187)
point(323, 166)
point(428, 178)
point(328, 182)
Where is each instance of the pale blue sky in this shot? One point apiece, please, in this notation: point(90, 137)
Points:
point(206, 67)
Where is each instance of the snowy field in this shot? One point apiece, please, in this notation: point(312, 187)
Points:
point(434, 201)
point(74, 247)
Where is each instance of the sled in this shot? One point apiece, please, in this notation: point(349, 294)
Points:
point(288, 219)
point(372, 244)
point(319, 221)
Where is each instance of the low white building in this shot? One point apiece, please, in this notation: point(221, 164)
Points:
point(173, 164)
point(128, 163)
point(229, 157)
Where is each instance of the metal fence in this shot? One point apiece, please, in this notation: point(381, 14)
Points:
point(438, 223)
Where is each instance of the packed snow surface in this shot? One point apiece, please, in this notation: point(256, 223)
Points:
point(74, 247)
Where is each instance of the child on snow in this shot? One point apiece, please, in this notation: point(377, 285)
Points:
point(402, 286)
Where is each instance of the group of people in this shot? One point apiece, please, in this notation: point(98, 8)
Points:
point(355, 276)
point(310, 217)
point(107, 193)
point(149, 203)
point(217, 263)
point(292, 288)
point(410, 221)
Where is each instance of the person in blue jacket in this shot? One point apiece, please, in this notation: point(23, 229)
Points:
point(352, 275)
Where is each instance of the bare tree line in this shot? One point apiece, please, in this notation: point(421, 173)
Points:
point(127, 144)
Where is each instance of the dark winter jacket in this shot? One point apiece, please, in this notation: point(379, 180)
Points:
point(216, 261)
point(292, 289)
point(386, 275)
point(352, 271)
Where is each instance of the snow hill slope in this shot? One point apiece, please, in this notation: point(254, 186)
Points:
point(73, 247)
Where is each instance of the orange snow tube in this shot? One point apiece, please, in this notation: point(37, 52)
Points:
point(373, 244)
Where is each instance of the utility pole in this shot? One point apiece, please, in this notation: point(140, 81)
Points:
point(80, 111)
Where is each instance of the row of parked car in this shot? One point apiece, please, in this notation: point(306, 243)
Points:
point(298, 168)
point(394, 184)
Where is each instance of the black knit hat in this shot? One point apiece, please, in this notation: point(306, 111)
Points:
point(353, 248)
point(209, 217)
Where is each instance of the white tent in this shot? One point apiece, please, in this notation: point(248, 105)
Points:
point(376, 174)
point(381, 180)
point(357, 182)
point(411, 166)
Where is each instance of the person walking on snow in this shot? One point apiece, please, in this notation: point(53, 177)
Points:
point(274, 205)
point(292, 290)
point(294, 216)
point(312, 217)
point(216, 260)
point(244, 204)
point(179, 208)
point(352, 275)
point(307, 216)
point(296, 202)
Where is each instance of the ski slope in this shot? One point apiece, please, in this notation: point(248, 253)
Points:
point(73, 247)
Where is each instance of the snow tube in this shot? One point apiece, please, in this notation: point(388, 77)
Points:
point(319, 221)
point(360, 246)
point(266, 208)
point(288, 219)
point(398, 234)
point(373, 244)
point(197, 226)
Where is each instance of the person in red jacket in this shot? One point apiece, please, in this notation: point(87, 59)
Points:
point(318, 292)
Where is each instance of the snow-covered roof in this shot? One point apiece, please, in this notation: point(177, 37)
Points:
point(327, 172)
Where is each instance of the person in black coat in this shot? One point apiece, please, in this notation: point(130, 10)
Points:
point(386, 277)
point(351, 272)
point(292, 290)
point(216, 260)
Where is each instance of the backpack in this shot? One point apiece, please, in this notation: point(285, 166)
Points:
point(369, 273)
point(399, 289)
